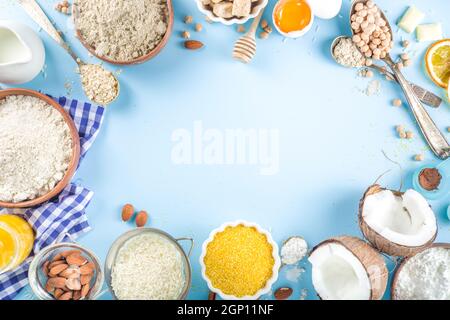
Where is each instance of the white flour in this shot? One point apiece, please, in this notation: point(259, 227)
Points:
point(35, 148)
point(426, 276)
point(122, 30)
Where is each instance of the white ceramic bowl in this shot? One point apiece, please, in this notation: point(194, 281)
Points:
point(294, 34)
point(276, 257)
point(260, 5)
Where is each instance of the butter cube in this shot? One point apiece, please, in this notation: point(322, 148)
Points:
point(429, 32)
point(411, 18)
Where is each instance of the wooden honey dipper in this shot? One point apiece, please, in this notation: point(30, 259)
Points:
point(245, 47)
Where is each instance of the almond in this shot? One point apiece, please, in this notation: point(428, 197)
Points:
point(212, 296)
point(57, 269)
point(57, 257)
point(57, 282)
point(88, 268)
point(71, 272)
point(127, 212)
point(55, 263)
point(67, 253)
point(45, 267)
point(66, 296)
point(141, 219)
point(86, 278)
point(49, 288)
point(85, 290)
point(283, 293)
point(58, 293)
point(193, 44)
point(76, 260)
point(73, 284)
point(76, 295)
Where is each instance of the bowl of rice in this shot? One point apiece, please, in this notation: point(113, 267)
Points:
point(39, 148)
point(243, 246)
point(123, 32)
point(148, 264)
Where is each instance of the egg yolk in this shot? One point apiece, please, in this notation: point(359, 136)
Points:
point(292, 15)
point(7, 248)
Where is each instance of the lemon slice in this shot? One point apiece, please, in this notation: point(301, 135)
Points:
point(437, 61)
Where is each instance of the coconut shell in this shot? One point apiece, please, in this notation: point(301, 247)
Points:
point(370, 258)
point(380, 242)
point(403, 263)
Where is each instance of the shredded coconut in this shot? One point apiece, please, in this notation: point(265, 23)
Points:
point(347, 54)
point(36, 148)
point(99, 85)
point(425, 276)
point(122, 30)
point(148, 267)
point(293, 250)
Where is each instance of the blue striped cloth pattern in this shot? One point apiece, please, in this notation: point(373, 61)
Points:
point(63, 218)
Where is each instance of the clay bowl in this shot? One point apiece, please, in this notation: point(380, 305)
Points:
point(138, 60)
point(402, 264)
point(75, 150)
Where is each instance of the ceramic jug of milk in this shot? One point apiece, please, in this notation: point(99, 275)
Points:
point(22, 53)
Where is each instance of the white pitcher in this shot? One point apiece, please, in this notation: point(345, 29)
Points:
point(22, 53)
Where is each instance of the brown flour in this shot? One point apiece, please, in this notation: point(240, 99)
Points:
point(122, 30)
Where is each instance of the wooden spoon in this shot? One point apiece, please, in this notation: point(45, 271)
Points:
point(245, 47)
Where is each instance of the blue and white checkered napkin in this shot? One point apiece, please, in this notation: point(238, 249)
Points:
point(63, 217)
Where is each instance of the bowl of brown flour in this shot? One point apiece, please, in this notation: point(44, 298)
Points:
point(39, 148)
point(123, 32)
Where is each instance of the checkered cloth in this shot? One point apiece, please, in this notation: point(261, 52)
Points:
point(62, 218)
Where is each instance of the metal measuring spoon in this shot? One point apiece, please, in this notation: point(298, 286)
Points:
point(39, 16)
point(425, 96)
point(430, 131)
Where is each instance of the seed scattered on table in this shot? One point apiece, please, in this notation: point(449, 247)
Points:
point(369, 74)
point(264, 35)
point(241, 28)
point(405, 43)
point(186, 34)
point(409, 135)
point(407, 62)
point(264, 24)
point(448, 129)
point(419, 157)
point(396, 102)
point(198, 27)
point(188, 19)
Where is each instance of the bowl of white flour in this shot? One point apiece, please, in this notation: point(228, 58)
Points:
point(123, 32)
point(424, 276)
point(39, 148)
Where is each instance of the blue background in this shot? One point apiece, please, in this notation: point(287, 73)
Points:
point(331, 134)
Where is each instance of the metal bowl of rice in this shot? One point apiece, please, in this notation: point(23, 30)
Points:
point(148, 264)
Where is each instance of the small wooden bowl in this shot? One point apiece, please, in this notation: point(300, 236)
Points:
point(402, 264)
point(138, 60)
point(75, 150)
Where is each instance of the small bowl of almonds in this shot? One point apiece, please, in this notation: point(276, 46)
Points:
point(66, 271)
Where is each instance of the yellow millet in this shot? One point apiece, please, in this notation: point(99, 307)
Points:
point(239, 261)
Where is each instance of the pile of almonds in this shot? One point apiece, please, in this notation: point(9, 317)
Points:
point(128, 213)
point(371, 32)
point(69, 275)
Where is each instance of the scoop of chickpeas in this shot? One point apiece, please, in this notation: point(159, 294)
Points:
point(371, 32)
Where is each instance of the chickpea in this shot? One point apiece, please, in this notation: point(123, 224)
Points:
point(396, 102)
point(409, 135)
point(419, 157)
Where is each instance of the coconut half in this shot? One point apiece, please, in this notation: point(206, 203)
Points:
point(399, 224)
point(347, 268)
